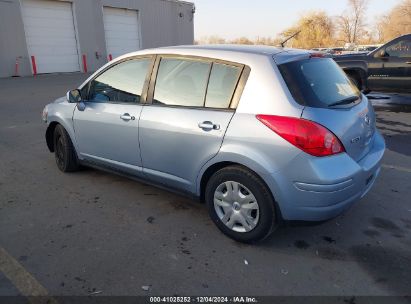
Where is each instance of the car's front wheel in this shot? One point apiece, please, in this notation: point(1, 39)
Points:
point(64, 152)
point(240, 204)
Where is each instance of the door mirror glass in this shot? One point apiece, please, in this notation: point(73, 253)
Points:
point(73, 96)
point(381, 54)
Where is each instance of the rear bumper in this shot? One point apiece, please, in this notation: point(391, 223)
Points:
point(316, 189)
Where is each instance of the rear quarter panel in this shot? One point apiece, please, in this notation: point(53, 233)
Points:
point(266, 91)
point(250, 143)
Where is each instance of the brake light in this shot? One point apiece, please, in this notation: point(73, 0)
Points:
point(306, 135)
point(317, 55)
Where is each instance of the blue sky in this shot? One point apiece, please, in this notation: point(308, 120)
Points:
point(252, 18)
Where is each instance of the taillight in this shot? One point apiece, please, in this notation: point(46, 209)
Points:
point(307, 135)
point(317, 55)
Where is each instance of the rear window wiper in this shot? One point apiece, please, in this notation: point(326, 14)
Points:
point(345, 101)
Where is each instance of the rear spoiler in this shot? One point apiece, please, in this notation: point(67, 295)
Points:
point(296, 55)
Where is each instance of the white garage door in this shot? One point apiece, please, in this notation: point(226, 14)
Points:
point(122, 31)
point(50, 35)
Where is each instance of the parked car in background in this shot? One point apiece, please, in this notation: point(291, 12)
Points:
point(365, 49)
point(349, 46)
point(320, 49)
point(260, 134)
point(386, 69)
point(335, 50)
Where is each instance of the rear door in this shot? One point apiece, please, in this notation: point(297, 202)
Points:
point(184, 124)
point(107, 127)
point(398, 66)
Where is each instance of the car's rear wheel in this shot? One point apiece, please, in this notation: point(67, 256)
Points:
point(240, 204)
point(64, 152)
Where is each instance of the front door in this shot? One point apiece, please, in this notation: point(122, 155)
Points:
point(390, 69)
point(185, 123)
point(106, 124)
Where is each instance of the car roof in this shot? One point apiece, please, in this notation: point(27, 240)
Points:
point(238, 48)
point(226, 51)
point(243, 54)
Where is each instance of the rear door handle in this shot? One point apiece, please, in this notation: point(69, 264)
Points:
point(127, 117)
point(208, 125)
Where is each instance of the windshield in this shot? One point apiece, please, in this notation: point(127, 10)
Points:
point(318, 82)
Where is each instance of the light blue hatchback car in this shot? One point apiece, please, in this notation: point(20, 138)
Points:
point(260, 134)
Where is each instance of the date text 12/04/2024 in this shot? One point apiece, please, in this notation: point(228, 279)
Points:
point(174, 299)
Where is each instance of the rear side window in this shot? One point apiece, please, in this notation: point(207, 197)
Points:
point(181, 82)
point(221, 86)
point(121, 83)
point(318, 82)
point(195, 83)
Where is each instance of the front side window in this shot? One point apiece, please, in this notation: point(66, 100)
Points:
point(400, 49)
point(181, 82)
point(123, 82)
point(221, 86)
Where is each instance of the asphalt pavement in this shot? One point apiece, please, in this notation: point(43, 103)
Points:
point(94, 233)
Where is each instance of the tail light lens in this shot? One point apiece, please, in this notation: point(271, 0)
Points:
point(306, 135)
point(317, 55)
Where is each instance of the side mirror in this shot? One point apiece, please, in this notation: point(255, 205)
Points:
point(381, 54)
point(73, 96)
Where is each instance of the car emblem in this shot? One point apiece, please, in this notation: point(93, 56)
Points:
point(367, 119)
point(355, 140)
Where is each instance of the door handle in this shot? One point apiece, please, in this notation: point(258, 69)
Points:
point(408, 62)
point(208, 125)
point(127, 117)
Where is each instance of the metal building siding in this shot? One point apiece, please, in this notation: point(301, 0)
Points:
point(162, 15)
point(159, 20)
point(12, 40)
point(90, 31)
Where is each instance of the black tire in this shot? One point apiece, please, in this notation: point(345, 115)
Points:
point(64, 152)
point(268, 217)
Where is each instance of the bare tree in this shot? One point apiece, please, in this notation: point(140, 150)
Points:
point(345, 27)
point(405, 9)
point(216, 40)
point(314, 29)
point(397, 22)
point(351, 23)
point(268, 41)
point(242, 40)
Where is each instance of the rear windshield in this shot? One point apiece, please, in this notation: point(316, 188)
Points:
point(318, 82)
